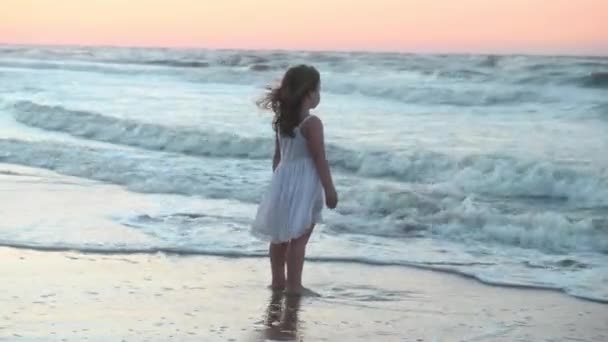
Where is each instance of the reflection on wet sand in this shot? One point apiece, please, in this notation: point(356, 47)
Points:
point(281, 318)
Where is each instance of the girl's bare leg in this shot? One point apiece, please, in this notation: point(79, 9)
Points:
point(295, 262)
point(278, 254)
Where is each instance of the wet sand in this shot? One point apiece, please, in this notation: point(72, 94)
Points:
point(65, 296)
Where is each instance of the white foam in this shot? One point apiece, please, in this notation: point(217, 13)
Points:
point(482, 174)
point(140, 171)
point(94, 126)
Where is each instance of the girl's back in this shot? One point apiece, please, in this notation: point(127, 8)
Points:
point(296, 147)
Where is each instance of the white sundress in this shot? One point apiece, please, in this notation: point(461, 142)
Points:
point(294, 200)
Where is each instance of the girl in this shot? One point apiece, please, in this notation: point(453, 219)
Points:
point(293, 204)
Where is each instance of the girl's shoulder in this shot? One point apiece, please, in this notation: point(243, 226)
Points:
point(311, 122)
point(311, 128)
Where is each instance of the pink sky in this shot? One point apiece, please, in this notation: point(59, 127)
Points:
point(501, 26)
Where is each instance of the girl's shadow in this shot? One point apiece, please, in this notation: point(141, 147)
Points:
point(281, 318)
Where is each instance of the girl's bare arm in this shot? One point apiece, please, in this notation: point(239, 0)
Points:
point(277, 154)
point(313, 131)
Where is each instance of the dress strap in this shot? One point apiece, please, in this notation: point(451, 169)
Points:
point(305, 119)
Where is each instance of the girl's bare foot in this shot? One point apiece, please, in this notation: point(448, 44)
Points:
point(277, 287)
point(301, 292)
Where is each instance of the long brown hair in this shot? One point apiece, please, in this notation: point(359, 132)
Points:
point(286, 100)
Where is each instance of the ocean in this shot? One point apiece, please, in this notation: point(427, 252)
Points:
point(492, 167)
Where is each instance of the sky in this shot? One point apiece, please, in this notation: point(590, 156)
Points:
point(451, 26)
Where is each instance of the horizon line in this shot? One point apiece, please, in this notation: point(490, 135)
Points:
point(380, 51)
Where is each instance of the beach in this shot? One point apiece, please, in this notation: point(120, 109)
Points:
point(65, 296)
point(98, 294)
point(473, 194)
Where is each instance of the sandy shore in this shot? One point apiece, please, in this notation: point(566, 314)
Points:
point(61, 296)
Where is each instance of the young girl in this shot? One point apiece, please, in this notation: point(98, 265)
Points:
point(293, 204)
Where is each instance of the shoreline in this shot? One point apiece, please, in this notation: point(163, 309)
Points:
point(76, 296)
point(176, 252)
